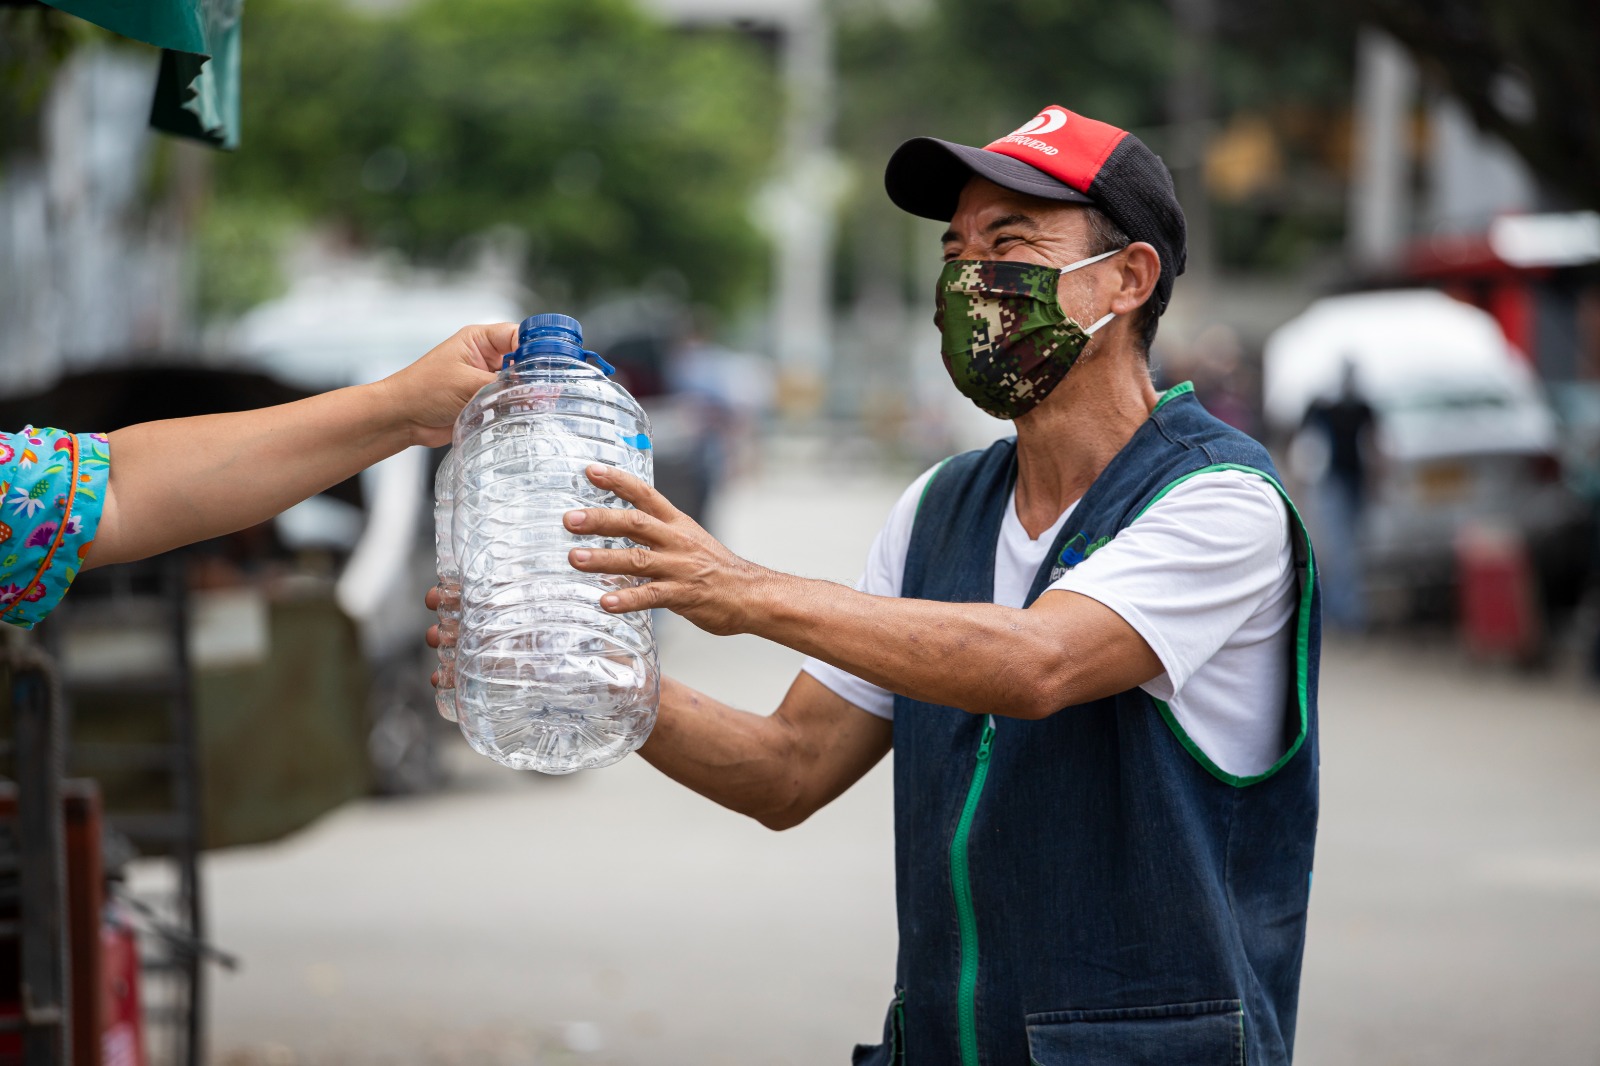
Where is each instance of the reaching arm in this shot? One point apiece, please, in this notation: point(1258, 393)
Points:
point(1064, 650)
point(189, 479)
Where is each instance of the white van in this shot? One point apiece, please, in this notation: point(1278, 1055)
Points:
point(1464, 434)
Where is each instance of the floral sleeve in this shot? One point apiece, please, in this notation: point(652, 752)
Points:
point(53, 485)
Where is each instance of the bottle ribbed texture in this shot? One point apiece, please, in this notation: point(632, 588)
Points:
point(449, 573)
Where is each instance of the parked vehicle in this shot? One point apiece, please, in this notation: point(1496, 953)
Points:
point(1465, 435)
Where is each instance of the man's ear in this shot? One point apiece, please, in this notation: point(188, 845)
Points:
point(1141, 269)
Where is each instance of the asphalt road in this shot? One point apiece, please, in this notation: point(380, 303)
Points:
point(613, 917)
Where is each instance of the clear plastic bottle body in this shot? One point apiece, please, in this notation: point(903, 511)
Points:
point(545, 678)
point(449, 575)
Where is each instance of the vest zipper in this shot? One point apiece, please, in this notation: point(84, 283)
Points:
point(961, 882)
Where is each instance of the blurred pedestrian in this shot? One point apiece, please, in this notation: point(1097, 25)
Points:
point(735, 391)
point(1092, 647)
point(1345, 424)
point(78, 500)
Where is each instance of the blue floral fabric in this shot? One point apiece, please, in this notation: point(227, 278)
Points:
point(52, 486)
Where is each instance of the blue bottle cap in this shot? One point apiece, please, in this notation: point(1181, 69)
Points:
point(554, 335)
point(561, 327)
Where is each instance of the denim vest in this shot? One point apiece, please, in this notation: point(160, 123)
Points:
point(1090, 888)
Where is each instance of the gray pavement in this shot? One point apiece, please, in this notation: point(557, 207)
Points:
point(613, 917)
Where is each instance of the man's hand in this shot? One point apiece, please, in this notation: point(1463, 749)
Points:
point(435, 636)
point(429, 393)
point(689, 571)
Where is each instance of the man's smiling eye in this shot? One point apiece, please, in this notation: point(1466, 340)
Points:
point(1005, 237)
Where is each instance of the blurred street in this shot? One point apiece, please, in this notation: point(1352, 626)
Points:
point(1386, 216)
point(613, 917)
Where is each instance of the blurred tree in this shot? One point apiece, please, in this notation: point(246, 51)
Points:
point(33, 43)
point(1528, 70)
point(625, 152)
point(238, 250)
point(968, 72)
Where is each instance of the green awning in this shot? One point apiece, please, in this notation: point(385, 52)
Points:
point(197, 92)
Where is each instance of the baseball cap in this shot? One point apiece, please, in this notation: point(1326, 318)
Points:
point(1059, 155)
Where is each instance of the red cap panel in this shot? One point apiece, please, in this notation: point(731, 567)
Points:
point(1064, 145)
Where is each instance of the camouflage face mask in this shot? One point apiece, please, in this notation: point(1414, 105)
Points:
point(1006, 341)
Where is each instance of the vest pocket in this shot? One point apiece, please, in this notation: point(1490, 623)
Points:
point(1210, 1033)
point(892, 1052)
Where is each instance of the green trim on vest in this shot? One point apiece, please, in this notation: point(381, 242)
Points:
point(1302, 634)
point(926, 485)
point(966, 912)
point(897, 1035)
point(1183, 388)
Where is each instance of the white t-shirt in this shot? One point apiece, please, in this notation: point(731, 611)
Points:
point(1205, 576)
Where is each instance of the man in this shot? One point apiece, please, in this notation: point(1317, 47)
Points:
point(1093, 649)
point(1346, 424)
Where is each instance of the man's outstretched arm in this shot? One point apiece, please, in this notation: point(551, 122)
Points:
point(779, 769)
point(984, 658)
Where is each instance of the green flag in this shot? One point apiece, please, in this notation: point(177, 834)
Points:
point(197, 92)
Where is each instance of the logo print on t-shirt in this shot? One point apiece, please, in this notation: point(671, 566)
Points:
point(1075, 551)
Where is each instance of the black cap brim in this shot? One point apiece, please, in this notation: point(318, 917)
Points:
point(925, 176)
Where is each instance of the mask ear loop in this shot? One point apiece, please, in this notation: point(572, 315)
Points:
point(1092, 259)
point(1083, 263)
point(1090, 331)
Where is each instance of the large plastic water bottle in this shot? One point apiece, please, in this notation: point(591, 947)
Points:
point(545, 678)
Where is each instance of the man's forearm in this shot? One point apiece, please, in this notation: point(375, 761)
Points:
point(1063, 650)
point(734, 758)
point(187, 479)
point(981, 657)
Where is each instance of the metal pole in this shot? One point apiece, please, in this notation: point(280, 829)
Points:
point(1386, 82)
point(188, 799)
point(41, 839)
point(1190, 106)
point(801, 205)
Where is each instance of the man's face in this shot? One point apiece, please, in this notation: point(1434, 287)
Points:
point(995, 223)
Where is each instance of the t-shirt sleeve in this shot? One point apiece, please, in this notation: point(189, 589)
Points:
point(1190, 571)
point(53, 486)
point(885, 569)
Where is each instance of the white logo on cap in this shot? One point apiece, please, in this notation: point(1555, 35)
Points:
point(1049, 120)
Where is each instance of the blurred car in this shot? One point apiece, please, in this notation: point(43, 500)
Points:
point(1464, 435)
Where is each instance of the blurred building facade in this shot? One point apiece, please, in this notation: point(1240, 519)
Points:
point(1436, 201)
point(93, 226)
